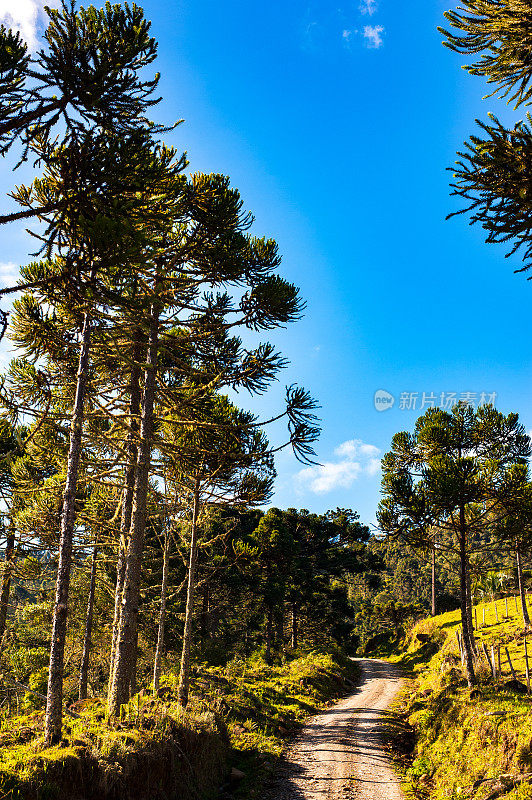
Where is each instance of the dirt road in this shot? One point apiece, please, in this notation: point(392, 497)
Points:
point(339, 754)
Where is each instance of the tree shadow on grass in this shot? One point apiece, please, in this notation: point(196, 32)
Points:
point(410, 661)
point(266, 777)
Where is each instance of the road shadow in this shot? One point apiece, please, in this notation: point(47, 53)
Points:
point(341, 735)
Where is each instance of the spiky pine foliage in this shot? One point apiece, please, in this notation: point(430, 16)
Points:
point(87, 76)
point(219, 448)
point(493, 173)
point(501, 32)
point(493, 177)
point(14, 61)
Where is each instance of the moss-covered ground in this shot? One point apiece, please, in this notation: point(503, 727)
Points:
point(238, 717)
point(474, 744)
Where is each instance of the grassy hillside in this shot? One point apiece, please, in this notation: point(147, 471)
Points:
point(238, 717)
point(469, 744)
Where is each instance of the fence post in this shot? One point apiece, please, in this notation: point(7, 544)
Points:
point(494, 665)
point(490, 665)
point(459, 639)
point(476, 623)
point(514, 676)
point(526, 668)
point(506, 604)
point(483, 616)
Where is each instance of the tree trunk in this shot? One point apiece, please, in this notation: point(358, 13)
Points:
point(54, 699)
point(132, 688)
point(470, 626)
point(127, 495)
point(204, 617)
point(468, 651)
point(84, 669)
point(7, 575)
point(294, 627)
point(269, 634)
point(433, 579)
point(162, 613)
point(184, 673)
point(522, 593)
point(280, 627)
point(124, 657)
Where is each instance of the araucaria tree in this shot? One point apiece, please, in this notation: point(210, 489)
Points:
point(454, 475)
point(209, 280)
point(131, 328)
point(493, 172)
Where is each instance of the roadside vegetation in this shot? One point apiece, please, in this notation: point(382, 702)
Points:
point(452, 742)
point(230, 735)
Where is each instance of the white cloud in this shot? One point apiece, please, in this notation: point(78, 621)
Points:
point(373, 466)
point(356, 448)
point(346, 35)
point(309, 34)
point(355, 458)
point(373, 35)
point(368, 7)
point(24, 16)
point(347, 449)
point(9, 273)
point(328, 476)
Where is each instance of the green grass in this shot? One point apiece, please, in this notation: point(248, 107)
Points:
point(264, 705)
point(508, 633)
point(469, 744)
point(239, 715)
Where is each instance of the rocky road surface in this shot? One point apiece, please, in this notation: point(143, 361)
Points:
point(339, 754)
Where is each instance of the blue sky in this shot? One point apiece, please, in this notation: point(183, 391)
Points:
point(337, 123)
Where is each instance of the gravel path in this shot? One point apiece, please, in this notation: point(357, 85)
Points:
point(339, 754)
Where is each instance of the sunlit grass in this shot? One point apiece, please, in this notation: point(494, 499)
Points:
point(493, 627)
point(469, 743)
point(238, 715)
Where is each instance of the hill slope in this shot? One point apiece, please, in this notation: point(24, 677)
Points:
point(469, 744)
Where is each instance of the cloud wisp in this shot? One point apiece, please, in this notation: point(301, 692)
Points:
point(354, 458)
point(373, 36)
point(9, 273)
point(368, 7)
point(23, 16)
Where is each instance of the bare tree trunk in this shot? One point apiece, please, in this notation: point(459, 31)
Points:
point(469, 598)
point(134, 663)
point(433, 579)
point(7, 574)
point(162, 613)
point(120, 683)
point(522, 593)
point(280, 627)
point(184, 673)
point(84, 669)
point(294, 626)
point(127, 495)
point(468, 652)
point(269, 634)
point(54, 699)
point(204, 617)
